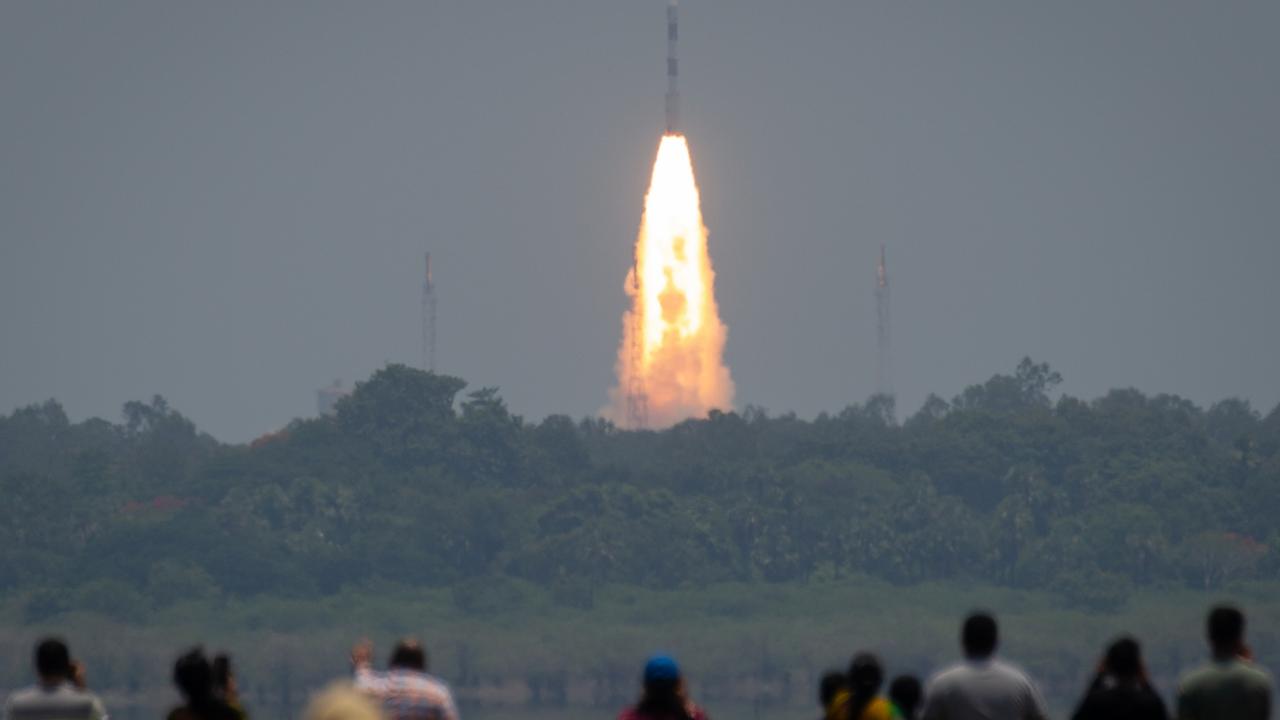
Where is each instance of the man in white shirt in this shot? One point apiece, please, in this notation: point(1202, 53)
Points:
point(982, 687)
point(60, 694)
point(1231, 686)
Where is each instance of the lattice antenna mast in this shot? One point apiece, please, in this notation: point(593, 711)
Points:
point(637, 396)
point(428, 320)
point(884, 365)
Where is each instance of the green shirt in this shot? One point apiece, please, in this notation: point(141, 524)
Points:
point(1225, 690)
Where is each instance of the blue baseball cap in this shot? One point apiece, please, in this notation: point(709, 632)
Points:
point(661, 667)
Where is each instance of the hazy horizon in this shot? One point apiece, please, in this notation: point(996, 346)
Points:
point(228, 205)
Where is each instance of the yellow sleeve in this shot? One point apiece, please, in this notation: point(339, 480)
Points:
point(879, 709)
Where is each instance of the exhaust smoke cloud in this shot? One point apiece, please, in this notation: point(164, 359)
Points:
point(670, 365)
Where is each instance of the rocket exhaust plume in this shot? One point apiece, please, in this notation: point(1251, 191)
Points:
point(670, 365)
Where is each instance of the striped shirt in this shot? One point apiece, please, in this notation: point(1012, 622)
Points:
point(408, 694)
point(63, 701)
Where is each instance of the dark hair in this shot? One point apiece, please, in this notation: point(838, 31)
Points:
point(906, 692)
point(866, 674)
point(833, 681)
point(53, 659)
point(1124, 658)
point(221, 673)
point(1226, 629)
point(408, 654)
point(980, 636)
point(193, 675)
point(663, 698)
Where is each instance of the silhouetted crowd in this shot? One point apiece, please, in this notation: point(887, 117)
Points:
point(981, 686)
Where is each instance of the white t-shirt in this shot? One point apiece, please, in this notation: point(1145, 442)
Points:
point(983, 690)
point(57, 702)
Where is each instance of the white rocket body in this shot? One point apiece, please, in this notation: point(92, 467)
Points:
point(673, 97)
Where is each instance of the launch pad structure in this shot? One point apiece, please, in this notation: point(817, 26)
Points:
point(637, 396)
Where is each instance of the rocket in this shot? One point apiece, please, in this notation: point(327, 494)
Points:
point(673, 97)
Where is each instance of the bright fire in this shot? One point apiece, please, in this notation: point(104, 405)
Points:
point(669, 363)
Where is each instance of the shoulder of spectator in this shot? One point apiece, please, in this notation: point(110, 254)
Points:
point(1188, 681)
point(942, 678)
point(366, 678)
point(1260, 671)
point(441, 683)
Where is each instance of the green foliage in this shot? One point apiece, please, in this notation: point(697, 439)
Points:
point(489, 595)
point(416, 484)
point(574, 592)
point(173, 581)
point(1092, 590)
point(43, 604)
point(113, 598)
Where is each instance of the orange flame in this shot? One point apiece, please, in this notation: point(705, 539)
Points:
point(670, 360)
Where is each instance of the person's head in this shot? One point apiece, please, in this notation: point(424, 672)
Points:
point(663, 686)
point(193, 675)
point(53, 660)
point(833, 681)
point(408, 654)
point(222, 669)
point(906, 692)
point(660, 672)
point(1225, 627)
point(1124, 658)
point(980, 636)
point(866, 675)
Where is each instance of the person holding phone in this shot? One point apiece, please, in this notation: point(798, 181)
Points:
point(1120, 690)
point(60, 692)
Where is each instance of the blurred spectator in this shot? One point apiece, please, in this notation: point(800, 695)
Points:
point(1121, 691)
point(1230, 686)
point(905, 692)
point(860, 698)
point(981, 687)
point(193, 674)
point(830, 688)
point(59, 693)
point(341, 701)
point(664, 696)
point(405, 690)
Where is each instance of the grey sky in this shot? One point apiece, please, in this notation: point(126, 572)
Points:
point(227, 203)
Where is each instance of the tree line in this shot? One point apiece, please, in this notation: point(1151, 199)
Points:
point(415, 482)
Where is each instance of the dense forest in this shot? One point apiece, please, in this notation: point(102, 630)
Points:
point(415, 483)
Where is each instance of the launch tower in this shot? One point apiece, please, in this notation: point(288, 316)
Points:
point(428, 320)
point(637, 397)
point(884, 365)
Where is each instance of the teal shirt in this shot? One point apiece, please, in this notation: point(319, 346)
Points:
point(1225, 690)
